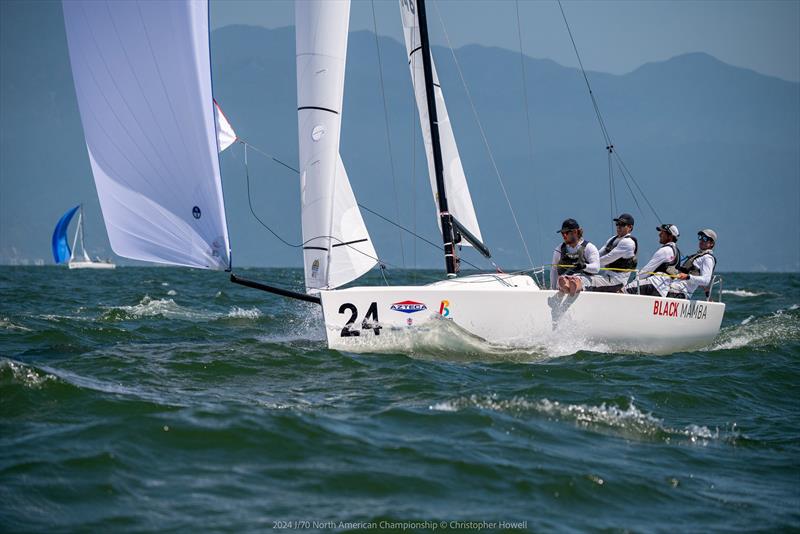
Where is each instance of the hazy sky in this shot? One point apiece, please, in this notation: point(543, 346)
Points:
point(613, 36)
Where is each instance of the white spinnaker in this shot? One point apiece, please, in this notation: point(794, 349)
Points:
point(459, 201)
point(336, 245)
point(143, 80)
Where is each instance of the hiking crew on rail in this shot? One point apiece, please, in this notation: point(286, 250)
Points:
point(575, 262)
point(617, 257)
point(578, 265)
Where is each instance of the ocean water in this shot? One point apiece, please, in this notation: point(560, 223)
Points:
point(172, 400)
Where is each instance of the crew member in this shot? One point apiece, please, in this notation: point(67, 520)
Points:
point(618, 257)
point(652, 279)
point(575, 262)
point(697, 269)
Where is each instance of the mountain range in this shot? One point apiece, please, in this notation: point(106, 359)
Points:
point(709, 145)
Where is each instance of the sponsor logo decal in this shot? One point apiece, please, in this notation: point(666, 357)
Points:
point(408, 306)
point(409, 321)
point(682, 310)
point(444, 309)
point(314, 269)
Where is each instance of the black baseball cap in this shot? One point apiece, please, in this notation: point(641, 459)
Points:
point(569, 224)
point(625, 218)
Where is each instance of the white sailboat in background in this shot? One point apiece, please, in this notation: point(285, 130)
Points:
point(152, 138)
point(61, 249)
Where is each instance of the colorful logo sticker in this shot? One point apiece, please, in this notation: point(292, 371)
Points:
point(408, 306)
point(314, 268)
point(444, 308)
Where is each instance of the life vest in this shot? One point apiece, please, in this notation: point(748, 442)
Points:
point(622, 263)
point(670, 267)
point(572, 262)
point(688, 265)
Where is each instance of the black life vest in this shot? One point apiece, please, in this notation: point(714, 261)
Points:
point(670, 267)
point(622, 263)
point(572, 262)
point(688, 265)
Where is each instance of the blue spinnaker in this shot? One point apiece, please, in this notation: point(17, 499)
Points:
point(61, 251)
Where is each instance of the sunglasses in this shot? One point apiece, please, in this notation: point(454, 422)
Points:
point(622, 224)
point(705, 239)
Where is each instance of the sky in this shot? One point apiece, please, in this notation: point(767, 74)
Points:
point(612, 36)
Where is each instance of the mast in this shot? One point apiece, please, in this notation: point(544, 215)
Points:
point(80, 226)
point(450, 258)
point(77, 233)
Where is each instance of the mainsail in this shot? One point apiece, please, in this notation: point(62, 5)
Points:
point(60, 244)
point(143, 81)
point(458, 197)
point(336, 245)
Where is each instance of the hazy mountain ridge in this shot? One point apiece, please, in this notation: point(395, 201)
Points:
point(711, 145)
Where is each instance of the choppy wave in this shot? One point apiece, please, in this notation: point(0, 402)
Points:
point(14, 372)
point(742, 293)
point(240, 313)
point(6, 324)
point(153, 307)
point(167, 308)
point(629, 420)
point(775, 329)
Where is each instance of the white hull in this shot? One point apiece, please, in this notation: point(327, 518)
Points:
point(91, 265)
point(511, 311)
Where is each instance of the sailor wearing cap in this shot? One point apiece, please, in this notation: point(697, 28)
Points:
point(618, 257)
point(697, 269)
point(575, 262)
point(665, 260)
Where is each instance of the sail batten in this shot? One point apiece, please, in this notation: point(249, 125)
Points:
point(337, 247)
point(143, 80)
point(459, 199)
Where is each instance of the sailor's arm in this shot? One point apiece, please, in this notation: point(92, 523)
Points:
point(592, 258)
point(624, 249)
point(706, 266)
point(664, 254)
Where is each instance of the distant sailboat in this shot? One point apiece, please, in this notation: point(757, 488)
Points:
point(61, 249)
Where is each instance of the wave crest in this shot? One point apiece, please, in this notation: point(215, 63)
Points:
point(742, 293)
point(13, 372)
point(766, 331)
point(630, 420)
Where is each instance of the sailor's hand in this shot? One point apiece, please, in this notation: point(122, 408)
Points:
point(683, 276)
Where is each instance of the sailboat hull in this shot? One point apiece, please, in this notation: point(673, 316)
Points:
point(512, 312)
point(91, 265)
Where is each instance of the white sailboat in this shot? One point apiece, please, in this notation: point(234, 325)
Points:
point(75, 257)
point(151, 135)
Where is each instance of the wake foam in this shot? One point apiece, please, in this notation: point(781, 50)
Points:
point(442, 339)
point(629, 421)
point(308, 326)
